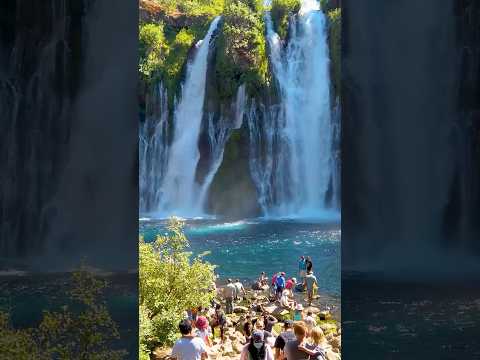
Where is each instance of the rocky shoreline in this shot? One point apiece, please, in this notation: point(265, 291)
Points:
point(325, 309)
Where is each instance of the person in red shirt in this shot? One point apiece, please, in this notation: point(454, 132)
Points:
point(290, 285)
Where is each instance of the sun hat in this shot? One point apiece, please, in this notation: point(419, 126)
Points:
point(299, 307)
point(202, 323)
point(294, 280)
point(282, 273)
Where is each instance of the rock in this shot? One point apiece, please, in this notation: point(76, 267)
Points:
point(237, 347)
point(228, 350)
point(328, 328)
point(240, 309)
point(313, 309)
point(336, 342)
point(324, 315)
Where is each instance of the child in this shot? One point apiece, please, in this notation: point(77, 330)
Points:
point(316, 350)
point(202, 329)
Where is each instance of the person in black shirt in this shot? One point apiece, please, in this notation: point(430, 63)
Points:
point(282, 339)
point(309, 263)
point(268, 322)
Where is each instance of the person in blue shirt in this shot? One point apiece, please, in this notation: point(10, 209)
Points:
point(280, 285)
point(302, 267)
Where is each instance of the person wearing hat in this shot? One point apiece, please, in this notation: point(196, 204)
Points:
point(202, 330)
point(298, 314)
point(282, 339)
point(257, 349)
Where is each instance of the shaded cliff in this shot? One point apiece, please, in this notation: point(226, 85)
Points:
point(68, 138)
point(410, 135)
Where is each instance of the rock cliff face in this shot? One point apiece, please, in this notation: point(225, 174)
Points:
point(410, 159)
point(68, 75)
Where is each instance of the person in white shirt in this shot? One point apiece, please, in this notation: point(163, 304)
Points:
point(240, 289)
point(189, 346)
point(229, 292)
point(309, 321)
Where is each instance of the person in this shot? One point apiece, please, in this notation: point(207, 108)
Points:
point(189, 346)
point(291, 350)
point(316, 349)
point(229, 292)
point(286, 302)
point(286, 336)
point(269, 321)
point(309, 321)
point(247, 327)
point(310, 283)
point(298, 314)
point(202, 330)
point(302, 267)
point(239, 289)
point(256, 349)
point(309, 264)
point(219, 319)
point(290, 284)
point(280, 285)
point(263, 278)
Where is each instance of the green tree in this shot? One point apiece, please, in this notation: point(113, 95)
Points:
point(241, 50)
point(83, 334)
point(153, 49)
point(171, 281)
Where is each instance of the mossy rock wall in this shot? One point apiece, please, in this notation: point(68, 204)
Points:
point(233, 193)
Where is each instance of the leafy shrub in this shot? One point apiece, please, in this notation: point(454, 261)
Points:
point(280, 12)
point(241, 50)
point(153, 49)
point(335, 43)
point(82, 334)
point(170, 281)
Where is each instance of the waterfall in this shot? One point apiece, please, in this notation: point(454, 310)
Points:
point(153, 148)
point(293, 166)
point(169, 186)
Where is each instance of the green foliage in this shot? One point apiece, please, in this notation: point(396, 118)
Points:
point(153, 49)
point(241, 49)
point(170, 281)
point(328, 5)
point(163, 53)
point(280, 12)
point(66, 334)
point(335, 44)
point(17, 344)
point(210, 8)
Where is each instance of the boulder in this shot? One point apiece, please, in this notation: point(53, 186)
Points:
point(240, 309)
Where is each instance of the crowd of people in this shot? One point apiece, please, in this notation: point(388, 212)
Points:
point(300, 339)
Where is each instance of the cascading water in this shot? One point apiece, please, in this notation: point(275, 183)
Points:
point(297, 173)
point(153, 149)
point(178, 193)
